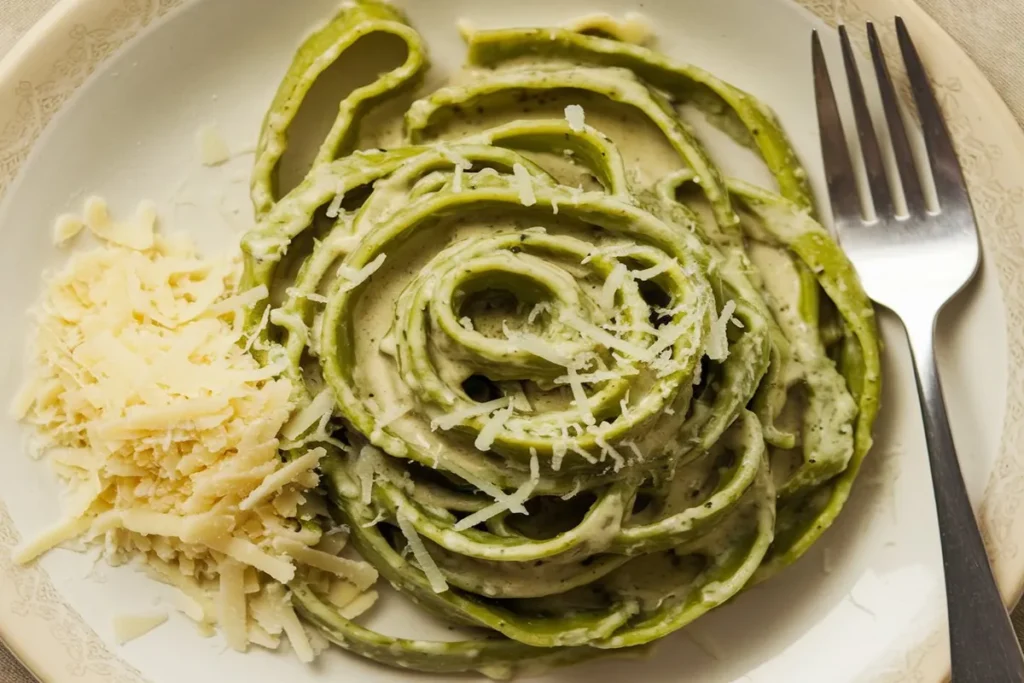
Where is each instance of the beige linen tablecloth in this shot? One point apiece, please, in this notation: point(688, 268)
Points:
point(991, 31)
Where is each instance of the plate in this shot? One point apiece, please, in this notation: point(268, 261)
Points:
point(106, 96)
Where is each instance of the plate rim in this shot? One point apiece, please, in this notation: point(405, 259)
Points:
point(957, 74)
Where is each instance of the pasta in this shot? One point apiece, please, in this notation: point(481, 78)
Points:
point(574, 392)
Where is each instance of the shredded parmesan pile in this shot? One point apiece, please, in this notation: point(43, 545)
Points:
point(146, 403)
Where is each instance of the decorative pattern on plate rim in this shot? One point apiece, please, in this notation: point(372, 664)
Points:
point(93, 30)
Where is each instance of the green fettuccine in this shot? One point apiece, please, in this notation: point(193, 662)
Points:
point(585, 387)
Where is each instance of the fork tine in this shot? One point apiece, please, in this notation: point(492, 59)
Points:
point(842, 184)
point(880, 194)
point(946, 172)
point(897, 133)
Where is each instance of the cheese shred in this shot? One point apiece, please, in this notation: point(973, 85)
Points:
point(419, 551)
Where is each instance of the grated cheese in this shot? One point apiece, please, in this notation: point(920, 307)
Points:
point(608, 451)
point(200, 528)
point(341, 593)
point(322, 404)
point(668, 336)
point(231, 604)
point(213, 150)
point(360, 574)
point(579, 396)
point(618, 251)
point(537, 310)
point(56, 535)
point(284, 476)
point(355, 277)
point(419, 551)
point(249, 553)
point(624, 405)
point(65, 228)
point(457, 160)
point(537, 346)
point(258, 636)
point(239, 301)
point(575, 448)
point(521, 495)
point(366, 471)
point(576, 487)
point(494, 425)
point(360, 605)
point(457, 417)
point(600, 376)
point(576, 117)
point(606, 339)
point(718, 342)
point(309, 296)
point(137, 234)
point(254, 337)
point(296, 632)
point(664, 364)
point(191, 599)
point(190, 607)
point(524, 182)
point(486, 487)
point(654, 271)
point(334, 208)
point(558, 451)
point(128, 627)
point(612, 285)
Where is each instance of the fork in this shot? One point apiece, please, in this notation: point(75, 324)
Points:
point(913, 261)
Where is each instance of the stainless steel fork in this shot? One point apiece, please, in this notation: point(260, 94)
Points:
point(912, 262)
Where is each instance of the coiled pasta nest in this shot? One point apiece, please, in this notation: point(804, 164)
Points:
point(578, 387)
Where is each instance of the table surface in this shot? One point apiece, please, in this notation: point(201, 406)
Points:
point(988, 30)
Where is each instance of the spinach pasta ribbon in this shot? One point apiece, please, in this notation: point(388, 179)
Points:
point(577, 386)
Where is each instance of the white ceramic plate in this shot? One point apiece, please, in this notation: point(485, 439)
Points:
point(105, 96)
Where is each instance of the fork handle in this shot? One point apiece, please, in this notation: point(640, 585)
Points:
point(983, 645)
